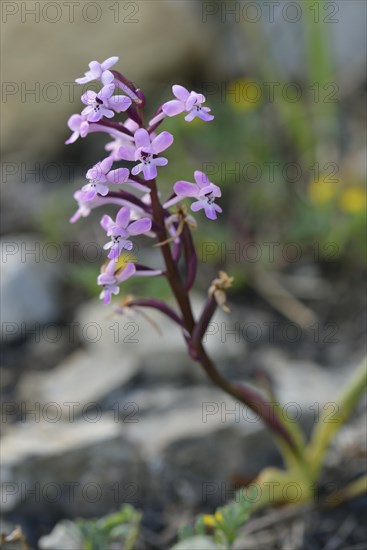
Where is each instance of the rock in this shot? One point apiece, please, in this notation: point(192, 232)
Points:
point(302, 382)
point(65, 535)
point(5, 527)
point(350, 443)
point(197, 543)
point(28, 286)
point(187, 445)
point(54, 345)
point(84, 379)
point(74, 469)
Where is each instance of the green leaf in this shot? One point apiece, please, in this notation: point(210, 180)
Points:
point(333, 416)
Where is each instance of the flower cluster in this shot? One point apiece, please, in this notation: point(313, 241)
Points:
point(133, 190)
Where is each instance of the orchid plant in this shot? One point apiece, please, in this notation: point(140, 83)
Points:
point(140, 210)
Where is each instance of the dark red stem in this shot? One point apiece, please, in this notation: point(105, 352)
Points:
point(161, 306)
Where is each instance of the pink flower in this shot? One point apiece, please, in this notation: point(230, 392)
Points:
point(101, 176)
point(81, 128)
point(121, 229)
point(78, 124)
point(110, 279)
point(146, 151)
point(99, 71)
point(97, 105)
point(203, 191)
point(84, 208)
point(113, 275)
point(104, 103)
point(189, 102)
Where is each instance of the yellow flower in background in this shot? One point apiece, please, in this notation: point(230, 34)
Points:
point(243, 94)
point(321, 190)
point(353, 200)
point(212, 520)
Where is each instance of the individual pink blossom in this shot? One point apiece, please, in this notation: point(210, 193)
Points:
point(79, 125)
point(146, 151)
point(99, 71)
point(119, 103)
point(111, 278)
point(113, 275)
point(81, 128)
point(189, 102)
point(97, 106)
point(101, 176)
point(103, 103)
point(84, 208)
point(204, 191)
point(121, 229)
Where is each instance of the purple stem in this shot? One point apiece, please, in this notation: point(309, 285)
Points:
point(141, 96)
point(127, 86)
point(161, 306)
point(203, 322)
point(129, 197)
point(250, 397)
point(132, 113)
point(146, 269)
point(155, 226)
point(190, 258)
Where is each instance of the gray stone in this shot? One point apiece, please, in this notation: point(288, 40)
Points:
point(303, 382)
point(64, 535)
point(201, 443)
point(350, 441)
point(198, 543)
point(80, 468)
point(82, 379)
point(28, 286)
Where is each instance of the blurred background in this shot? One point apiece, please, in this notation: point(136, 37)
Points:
point(100, 410)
